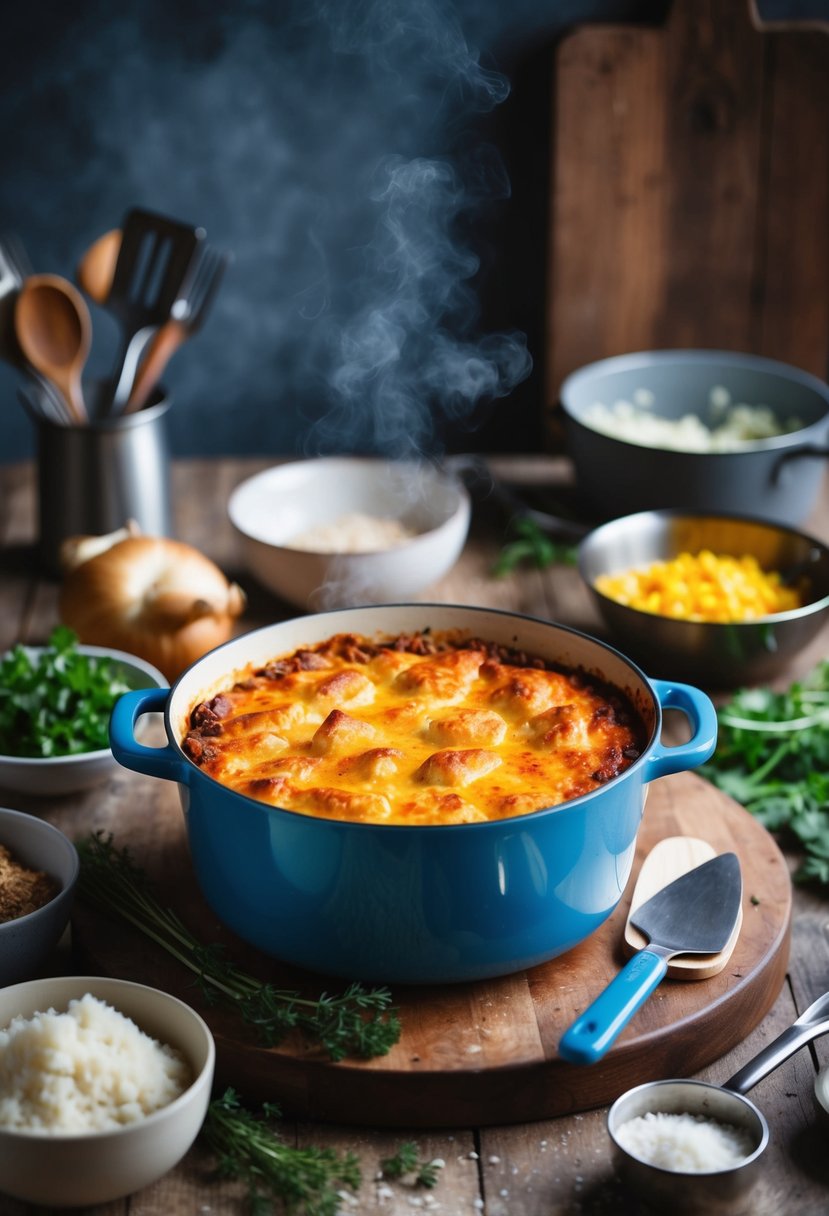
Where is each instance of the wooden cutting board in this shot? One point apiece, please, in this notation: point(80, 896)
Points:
point(689, 189)
point(483, 1053)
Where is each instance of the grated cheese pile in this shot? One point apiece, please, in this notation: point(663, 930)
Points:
point(729, 429)
point(353, 533)
point(683, 1143)
point(86, 1070)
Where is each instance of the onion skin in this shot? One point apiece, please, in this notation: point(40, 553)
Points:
point(153, 597)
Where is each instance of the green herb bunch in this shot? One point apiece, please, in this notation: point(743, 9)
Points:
point(356, 1022)
point(773, 758)
point(526, 542)
point(56, 702)
point(303, 1180)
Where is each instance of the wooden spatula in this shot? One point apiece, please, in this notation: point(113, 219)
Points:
point(669, 859)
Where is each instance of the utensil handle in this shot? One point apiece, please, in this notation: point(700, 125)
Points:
point(698, 708)
point(810, 1025)
point(163, 345)
point(153, 761)
point(589, 1037)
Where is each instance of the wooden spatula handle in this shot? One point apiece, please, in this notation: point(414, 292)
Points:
point(163, 345)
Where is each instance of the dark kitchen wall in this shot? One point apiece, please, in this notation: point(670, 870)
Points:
point(377, 167)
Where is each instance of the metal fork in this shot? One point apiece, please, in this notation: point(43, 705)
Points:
point(155, 263)
point(188, 315)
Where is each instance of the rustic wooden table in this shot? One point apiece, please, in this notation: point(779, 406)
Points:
point(545, 1168)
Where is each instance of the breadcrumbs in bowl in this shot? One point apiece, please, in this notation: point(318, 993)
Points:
point(724, 599)
point(338, 531)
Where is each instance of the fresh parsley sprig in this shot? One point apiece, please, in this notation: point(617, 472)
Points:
point(527, 542)
point(356, 1022)
point(56, 701)
point(305, 1181)
point(772, 757)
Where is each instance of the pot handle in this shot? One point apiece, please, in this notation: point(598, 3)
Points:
point(153, 761)
point(699, 710)
point(814, 450)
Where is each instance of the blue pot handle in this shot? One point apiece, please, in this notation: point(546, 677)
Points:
point(154, 761)
point(587, 1040)
point(699, 710)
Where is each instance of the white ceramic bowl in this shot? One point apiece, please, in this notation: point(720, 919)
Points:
point(273, 507)
point(26, 941)
point(98, 1167)
point(69, 774)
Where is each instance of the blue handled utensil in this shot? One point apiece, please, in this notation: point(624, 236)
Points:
point(695, 914)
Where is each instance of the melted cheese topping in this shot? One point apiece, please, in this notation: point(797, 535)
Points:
point(413, 731)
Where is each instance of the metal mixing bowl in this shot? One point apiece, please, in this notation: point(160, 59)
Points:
point(717, 1191)
point(717, 655)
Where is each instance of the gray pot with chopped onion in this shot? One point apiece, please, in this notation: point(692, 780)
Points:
point(698, 429)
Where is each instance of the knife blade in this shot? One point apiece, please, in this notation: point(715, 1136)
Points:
point(695, 914)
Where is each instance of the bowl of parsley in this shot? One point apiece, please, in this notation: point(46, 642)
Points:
point(55, 705)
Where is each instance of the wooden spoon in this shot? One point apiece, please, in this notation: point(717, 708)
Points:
point(54, 330)
point(670, 859)
point(97, 266)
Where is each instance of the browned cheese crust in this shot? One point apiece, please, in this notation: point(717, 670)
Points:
point(413, 730)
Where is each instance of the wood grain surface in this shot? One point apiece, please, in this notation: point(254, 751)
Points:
point(486, 1051)
point(670, 858)
point(689, 190)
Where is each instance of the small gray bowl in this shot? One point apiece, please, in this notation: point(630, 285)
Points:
point(718, 655)
point(26, 941)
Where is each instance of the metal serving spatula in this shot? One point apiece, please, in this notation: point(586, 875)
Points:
point(695, 914)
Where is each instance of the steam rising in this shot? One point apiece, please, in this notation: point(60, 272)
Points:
point(407, 349)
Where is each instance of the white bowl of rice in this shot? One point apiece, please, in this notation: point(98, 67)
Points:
point(342, 531)
point(104, 1086)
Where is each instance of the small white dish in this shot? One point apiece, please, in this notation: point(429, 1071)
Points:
point(271, 509)
point(70, 774)
point(82, 1169)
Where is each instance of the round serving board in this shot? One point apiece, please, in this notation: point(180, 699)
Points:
point(482, 1053)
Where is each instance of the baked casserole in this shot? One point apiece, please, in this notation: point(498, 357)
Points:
point(416, 729)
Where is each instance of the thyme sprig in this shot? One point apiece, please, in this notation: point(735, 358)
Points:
point(356, 1022)
point(306, 1181)
point(407, 1161)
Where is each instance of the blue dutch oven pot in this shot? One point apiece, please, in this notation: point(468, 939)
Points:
point(422, 904)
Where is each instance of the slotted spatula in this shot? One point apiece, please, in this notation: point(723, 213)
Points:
point(155, 260)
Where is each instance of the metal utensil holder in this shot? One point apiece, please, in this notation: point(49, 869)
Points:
point(92, 479)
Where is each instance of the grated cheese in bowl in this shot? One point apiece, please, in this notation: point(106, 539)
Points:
point(684, 1143)
point(729, 426)
point(88, 1069)
point(353, 533)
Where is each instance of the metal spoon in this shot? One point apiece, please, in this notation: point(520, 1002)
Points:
point(54, 330)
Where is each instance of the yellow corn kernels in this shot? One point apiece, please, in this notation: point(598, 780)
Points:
point(702, 587)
